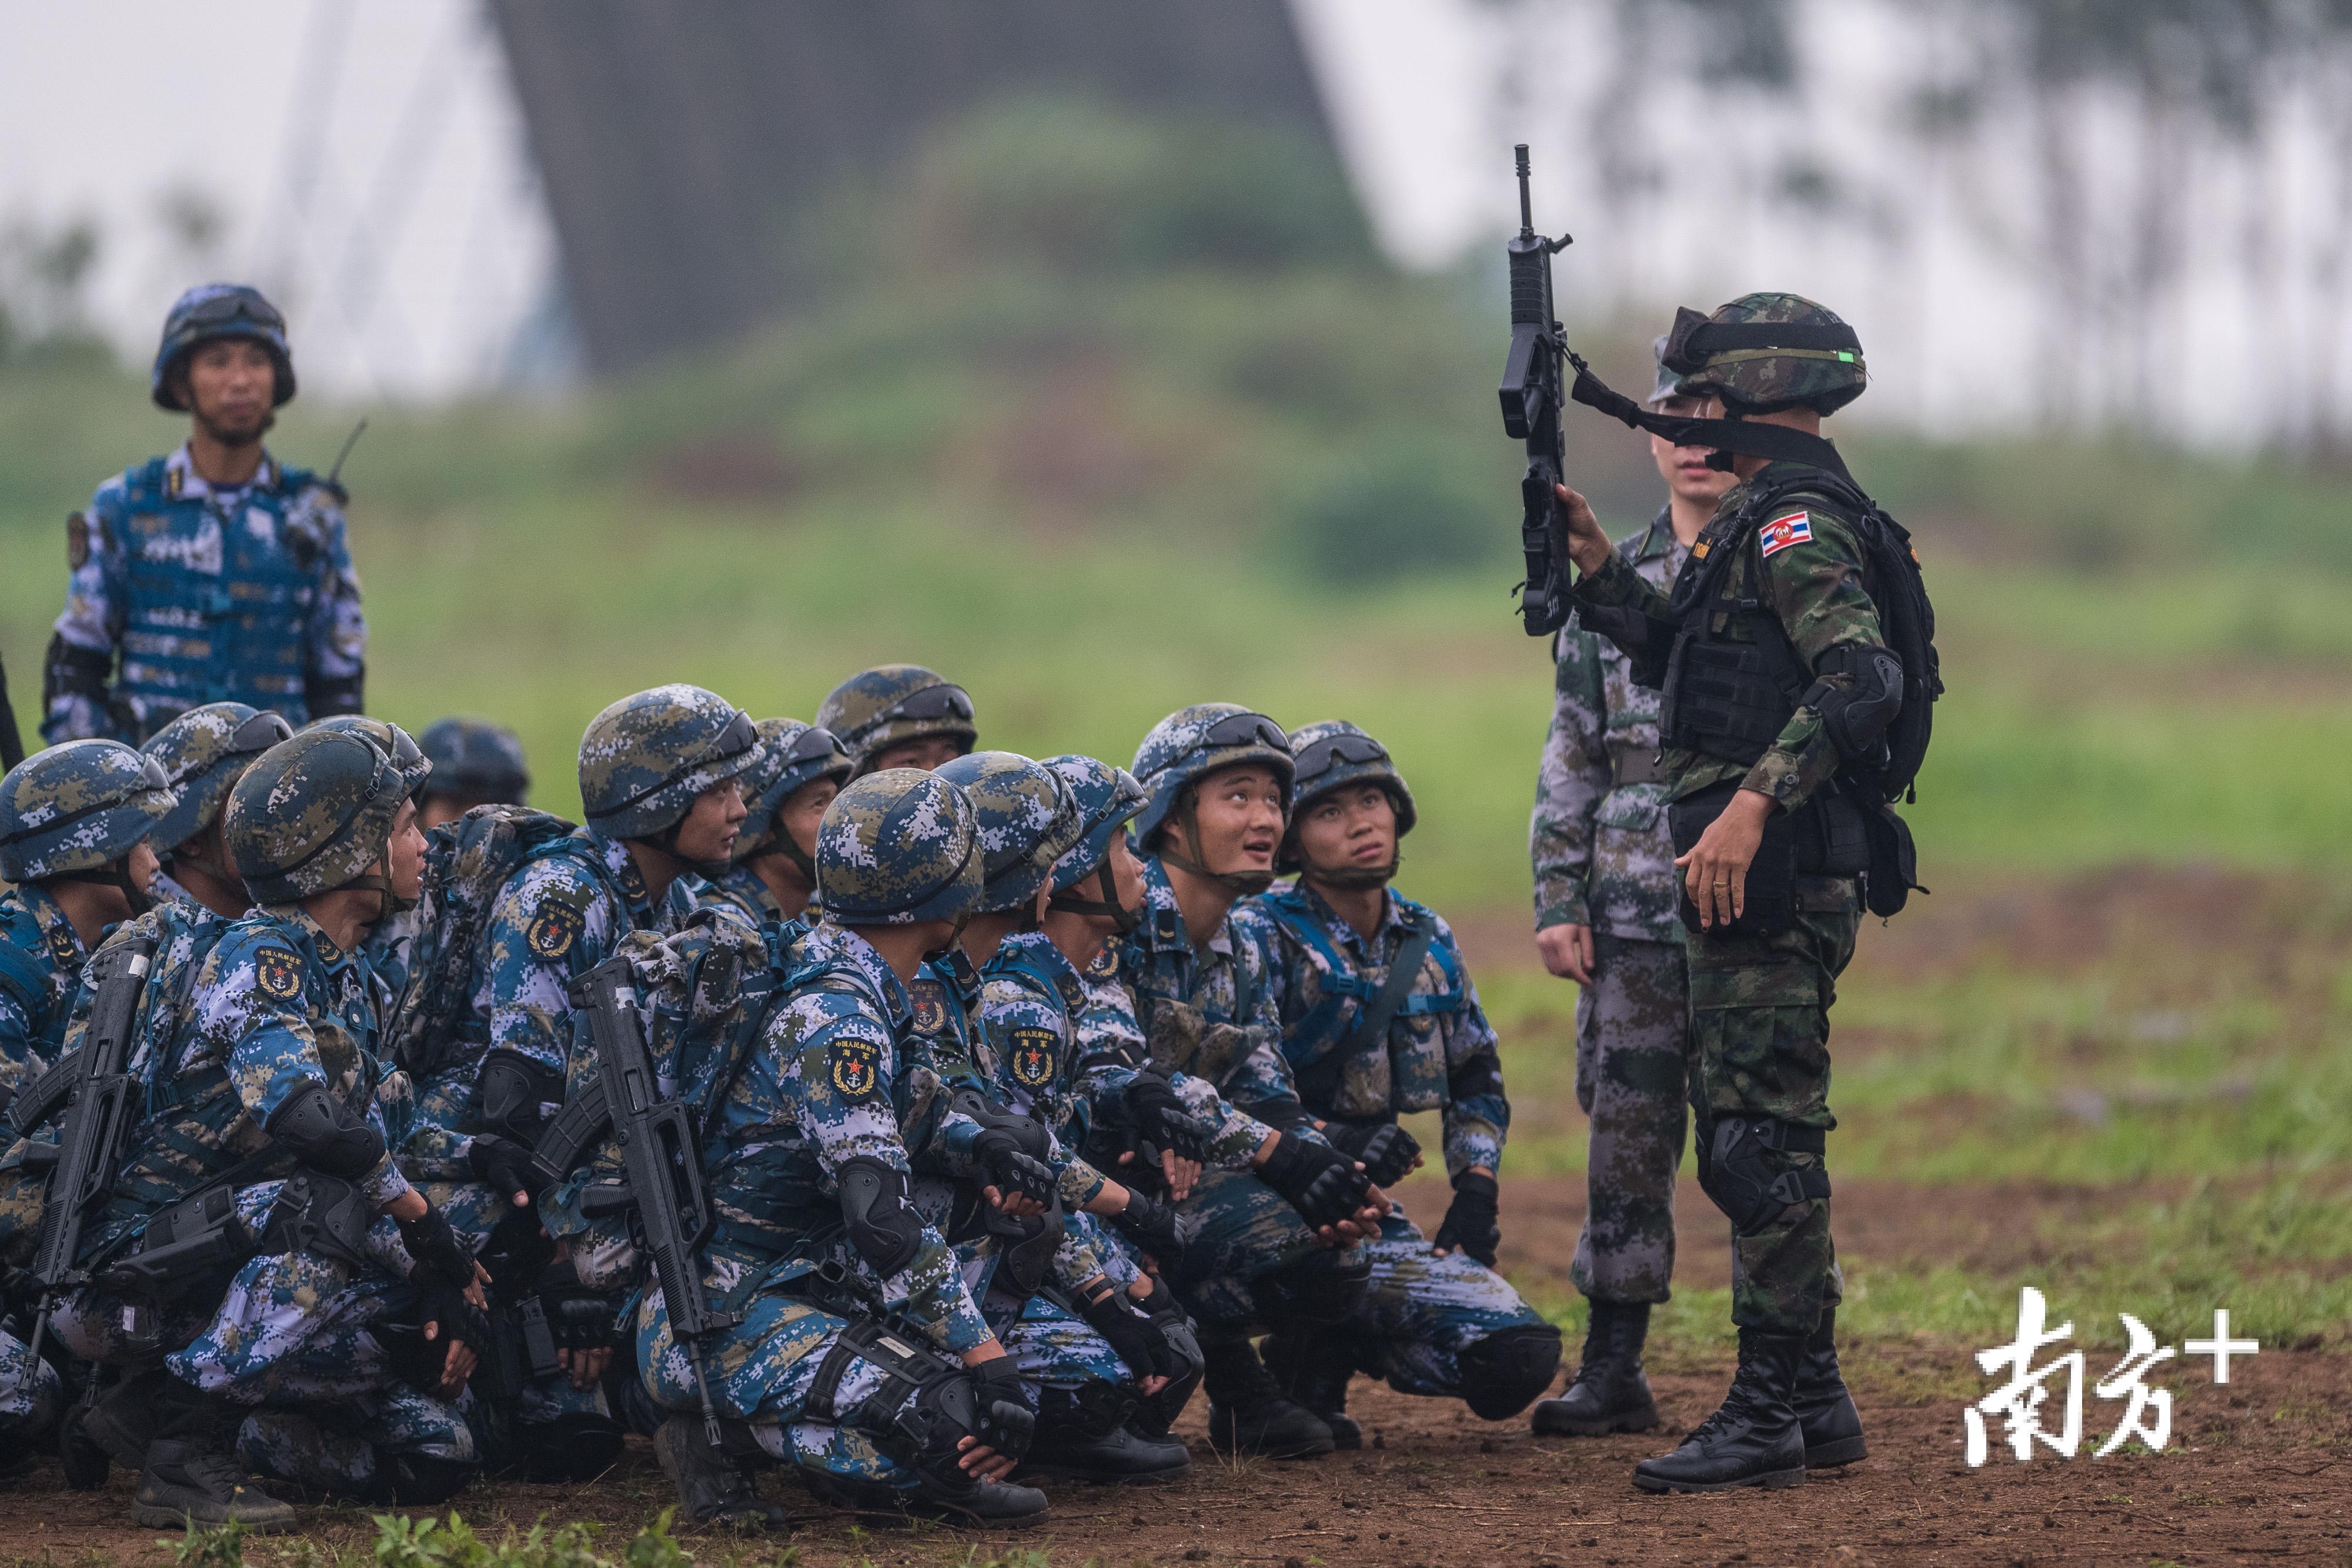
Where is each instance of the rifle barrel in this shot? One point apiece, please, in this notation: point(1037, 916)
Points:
point(1526, 207)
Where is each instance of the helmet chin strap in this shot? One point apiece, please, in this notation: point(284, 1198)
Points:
point(1356, 875)
point(666, 841)
point(115, 875)
point(379, 882)
point(940, 952)
point(1068, 902)
point(1239, 884)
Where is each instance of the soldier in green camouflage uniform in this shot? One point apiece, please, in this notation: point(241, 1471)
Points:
point(1604, 880)
point(1759, 1000)
point(898, 716)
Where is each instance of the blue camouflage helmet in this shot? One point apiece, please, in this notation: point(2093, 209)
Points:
point(1108, 799)
point(645, 760)
point(77, 806)
point(395, 742)
point(1328, 756)
point(1027, 821)
point(204, 752)
point(212, 310)
point(313, 814)
point(1192, 743)
point(889, 704)
point(898, 847)
point(477, 759)
point(793, 755)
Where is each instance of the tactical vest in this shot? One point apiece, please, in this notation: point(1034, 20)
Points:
point(1726, 696)
point(227, 624)
point(1319, 1044)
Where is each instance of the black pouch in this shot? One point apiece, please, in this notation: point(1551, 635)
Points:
point(198, 1238)
point(1769, 904)
point(1894, 869)
point(322, 1214)
point(1832, 835)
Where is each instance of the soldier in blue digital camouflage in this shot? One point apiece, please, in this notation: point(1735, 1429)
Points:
point(1604, 893)
point(773, 876)
point(1273, 1247)
point(898, 716)
point(859, 1358)
point(390, 940)
point(214, 574)
point(475, 763)
point(1379, 1018)
point(204, 752)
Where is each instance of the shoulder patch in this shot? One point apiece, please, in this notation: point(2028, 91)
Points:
point(1034, 1055)
point(1788, 529)
point(76, 540)
point(1103, 964)
point(278, 973)
point(930, 1000)
point(554, 930)
point(856, 1067)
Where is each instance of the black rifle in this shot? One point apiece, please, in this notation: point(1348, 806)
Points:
point(1533, 393)
point(88, 1151)
point(660, 1146)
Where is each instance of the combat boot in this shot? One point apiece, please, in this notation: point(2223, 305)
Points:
point(1122, 1458)
point(1609, 1393)
point(1825, 1411)
point(117, 1427)
point(192, 1474)
point(1753, 1440)
point(975, 1504)
point(1315, 1376)
point(1247, 1413)
point(712, 1484)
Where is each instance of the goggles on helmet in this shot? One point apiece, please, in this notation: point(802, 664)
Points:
point(1330, 751)
point(257, 733)
point(243, 305)
point(813, 745)
point(1243, 730)
point(151, 778)
point(924, 703)
point(1695, 341)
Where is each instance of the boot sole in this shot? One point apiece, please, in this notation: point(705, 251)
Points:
point(1099, 1479)
point(900, 1515)
point(1845, 1451)
point(1770, 1481)
point(1645, 1419)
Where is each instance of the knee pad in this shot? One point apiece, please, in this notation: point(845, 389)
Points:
point(419, 1480)
point(927, 1404)
point(1747, 1173)
point(511, 1089)
point(1092, 1409)
point(1318, 1291)
point(1504, 1372)
point(568, 1449)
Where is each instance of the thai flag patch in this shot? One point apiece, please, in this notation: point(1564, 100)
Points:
point(1789, 529)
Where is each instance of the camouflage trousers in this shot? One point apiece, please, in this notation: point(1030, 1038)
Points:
point(1632, 1080)
point(30, 1395)
point(1237, 1229)
point(1419, 1310)
point(340, 1447)
point(1760, 1048)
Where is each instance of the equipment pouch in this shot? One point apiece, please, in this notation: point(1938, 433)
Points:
point(1832, 838)
point(1894, 864)
point(198, 1238)
point(322, 1214)
point(1770, 904)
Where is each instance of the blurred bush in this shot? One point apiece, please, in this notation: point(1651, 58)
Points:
point(1404, 505)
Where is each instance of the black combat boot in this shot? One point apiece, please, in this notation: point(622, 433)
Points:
point(192, 1474)
point(1314, 1373)
point(1825, 1411)
point(117, 1427)
point(1751, 1441)
point(1248, 1415)
point(713, 1484)
point(1609, 1393)
point(1121, 1457)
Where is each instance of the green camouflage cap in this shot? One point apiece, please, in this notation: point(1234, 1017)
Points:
point(1329, 756)
point(793, 755)
point(395, 742)
point(313, 813)
point(204, 752)
point(645, 760)
point(1734, 354)
point(898, 847)
point(1026, 821)
point(893, 703)
point(475, 760)
point(77, 806)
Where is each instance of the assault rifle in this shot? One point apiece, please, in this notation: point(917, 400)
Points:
point(94, 1084)
point(670, 1210)
point(1533, 393)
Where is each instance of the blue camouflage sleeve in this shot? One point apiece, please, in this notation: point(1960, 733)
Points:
point(338, 630)
point(1478, 1116)
point(552, 923)
point(97, 601)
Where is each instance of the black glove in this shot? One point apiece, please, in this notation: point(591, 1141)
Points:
point(418, 1361)
point(1386, 1150)
point(1471, 1220)
point(1010, 1171)
point(1320, 1182)
point(1126, 1331)
point(1162, 1118)
point(577, 1317)
point(440, 1255)
point(1151, 1225)
point(1005, 1408)
point(501, 1164)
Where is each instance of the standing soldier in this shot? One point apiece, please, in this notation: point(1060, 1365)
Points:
point(899, 715)
point(213, 574)
point(475, 763)
point(773, 876)
point(1604, 878)
point(1780, 694)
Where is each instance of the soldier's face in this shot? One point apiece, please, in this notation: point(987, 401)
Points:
point(1684, 468)
point(142, 865)
point(406, 851)
point(1352, 828)
point(230, 384)
point(709, 832)
point(927, 753)
point(1125, 871)
point(802, 810)
point(1239, 812)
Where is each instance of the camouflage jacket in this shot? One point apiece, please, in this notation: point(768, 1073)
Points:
point(1602, 855)
point(1108, 1046)
point(1813, 585)
point(737, 890)
point(41, 962)
point(1440, 1053)
point(1206, 1009)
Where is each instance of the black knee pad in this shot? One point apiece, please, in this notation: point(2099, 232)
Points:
point(1092, 1409)
point(1504, 1372)
point(1747, 1173)
point(420, 1480)
point(1318, 1291)
point(567, 1450)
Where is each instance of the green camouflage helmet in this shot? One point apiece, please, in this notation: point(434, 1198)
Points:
point(475, 761)
point(204, 752)
point(1767, 351)
point(1329, 756)
point(645, 760)
point(1027, 821)
point(395, 742)
point(79, 807)
point(793, 755)
point(898, 847)
point(893, 703)
point(313, 814)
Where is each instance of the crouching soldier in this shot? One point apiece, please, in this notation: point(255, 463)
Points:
point(774, 874)
point(1379, 1019)
point(204, 752)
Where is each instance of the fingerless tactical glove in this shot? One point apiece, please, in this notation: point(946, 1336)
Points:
point(1470, 1222)
point(1321, 1182)
point(1386, 1150)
